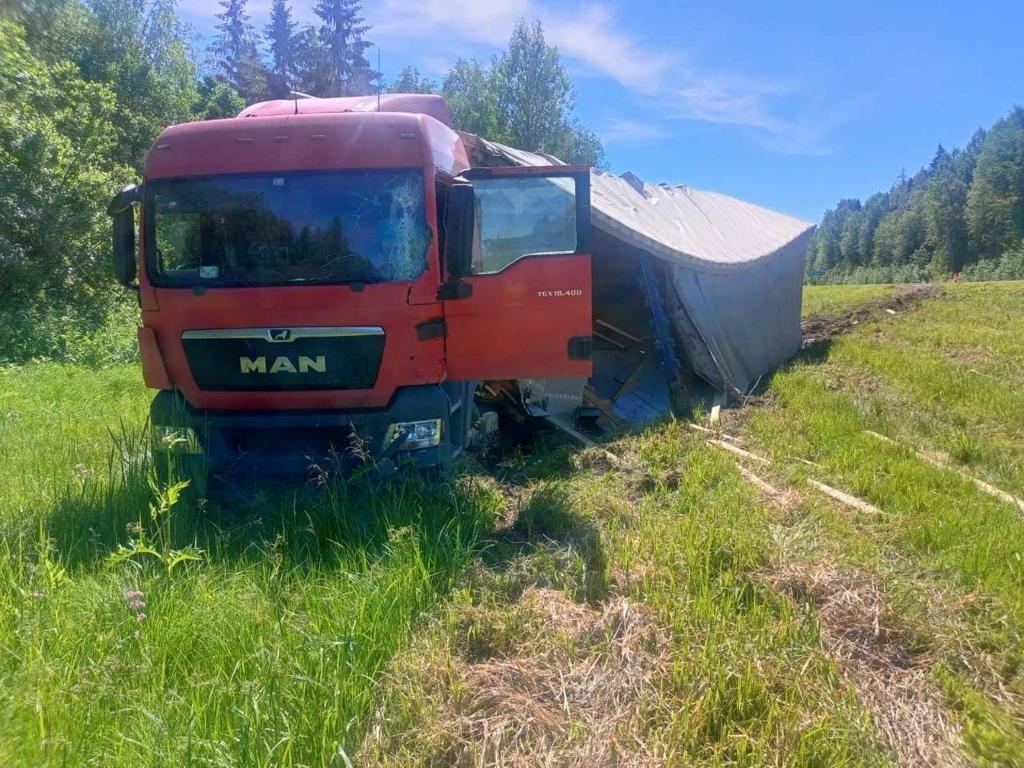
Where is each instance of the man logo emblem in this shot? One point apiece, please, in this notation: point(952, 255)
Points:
point(280, 334)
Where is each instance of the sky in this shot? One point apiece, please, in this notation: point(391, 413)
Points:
point(790, 105)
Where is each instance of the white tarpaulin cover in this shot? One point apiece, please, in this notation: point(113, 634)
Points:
point(737, 268)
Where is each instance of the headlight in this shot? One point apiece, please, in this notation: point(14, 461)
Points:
point(414, 435)
point(175, 440)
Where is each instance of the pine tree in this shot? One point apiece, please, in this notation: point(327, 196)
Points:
point(344, 69)
point(281, 35)
point(310, 61)
point(237, 56)
point(995, 201)
point(234, 42)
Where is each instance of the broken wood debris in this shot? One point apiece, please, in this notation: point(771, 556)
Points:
point(581, 438)
point(625, 334)
point(845, 498)
point(739, 451)
point(941, 463)
point(717, 434)
point(833, 493)
point(763, 485)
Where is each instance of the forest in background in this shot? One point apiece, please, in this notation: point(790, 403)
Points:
point(962, 215)
point(86, 86)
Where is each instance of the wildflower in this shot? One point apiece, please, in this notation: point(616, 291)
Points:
point(137, 604)
point(37, 595)
point(82, 472)
point(137, 633)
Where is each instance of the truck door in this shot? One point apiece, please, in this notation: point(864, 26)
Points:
point(527, 310)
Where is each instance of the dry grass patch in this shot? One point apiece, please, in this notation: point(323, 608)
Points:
point(857, 631)
point(545, 681)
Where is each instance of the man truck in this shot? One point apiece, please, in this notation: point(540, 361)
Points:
point(325, 282)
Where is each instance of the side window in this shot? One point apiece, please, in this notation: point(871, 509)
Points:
point(522, 216)
point(178, 240)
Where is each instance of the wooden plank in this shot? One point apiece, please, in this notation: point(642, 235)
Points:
point(844, 498)
point(628, 380)
point(935, 461)
point(580, 437)
point(834, 493)
point(610, 340)
point(764, 486)
point(739, 451)
point(715, 433)
point(591, 397)
point(616, 329)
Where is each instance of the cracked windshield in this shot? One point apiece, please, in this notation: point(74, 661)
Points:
point(260, 229)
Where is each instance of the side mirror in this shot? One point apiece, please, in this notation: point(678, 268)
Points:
point(459, 223)
point(123, 215)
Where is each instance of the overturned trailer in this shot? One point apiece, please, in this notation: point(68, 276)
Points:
point(696, 297)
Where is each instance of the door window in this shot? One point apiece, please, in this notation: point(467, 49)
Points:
point(518, 217)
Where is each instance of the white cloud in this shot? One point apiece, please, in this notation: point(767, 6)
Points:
point(621, 130)
point(783, 116)
point(588, 35)
point(591, 35)
point(449, 21)
point(717, 98)
point(435, 66)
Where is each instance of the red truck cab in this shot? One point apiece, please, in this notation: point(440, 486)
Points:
point(324, 282)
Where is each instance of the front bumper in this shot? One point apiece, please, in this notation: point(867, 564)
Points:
point(304, 442)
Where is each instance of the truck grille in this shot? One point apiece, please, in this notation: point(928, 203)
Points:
point(275, 359)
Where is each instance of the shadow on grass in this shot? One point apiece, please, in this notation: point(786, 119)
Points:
point(548, 544)
point(814, 353)
point(306, 525)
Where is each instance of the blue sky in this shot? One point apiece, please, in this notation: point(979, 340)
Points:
point(789, 105)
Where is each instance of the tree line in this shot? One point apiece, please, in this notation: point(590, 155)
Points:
point(87, 85)
point(523, 96)
point(961, 215)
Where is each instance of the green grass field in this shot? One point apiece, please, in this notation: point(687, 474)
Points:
point(671, 604)
point(833, 299)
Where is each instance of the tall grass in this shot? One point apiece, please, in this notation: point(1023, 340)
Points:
point(263, 651)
